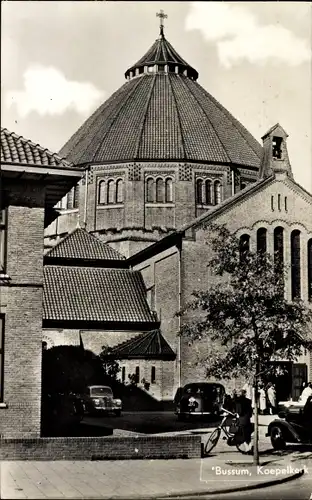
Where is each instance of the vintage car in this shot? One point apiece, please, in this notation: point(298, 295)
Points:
point(199, 399)
point(99, 399)
point(294, 425)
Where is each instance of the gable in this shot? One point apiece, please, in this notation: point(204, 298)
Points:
point(281, 199)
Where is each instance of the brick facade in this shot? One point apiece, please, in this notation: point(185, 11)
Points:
point(127, 221)
point(22, 306)
point(102, 448)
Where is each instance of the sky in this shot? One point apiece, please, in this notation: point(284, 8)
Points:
point(60, 60)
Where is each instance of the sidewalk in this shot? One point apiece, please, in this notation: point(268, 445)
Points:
point(137, 478)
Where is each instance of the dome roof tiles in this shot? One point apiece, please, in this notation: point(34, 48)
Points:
point(162, 116)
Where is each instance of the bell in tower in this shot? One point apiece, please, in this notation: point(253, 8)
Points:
point(275, 155)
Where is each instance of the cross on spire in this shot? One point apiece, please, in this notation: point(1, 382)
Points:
point(162, 16)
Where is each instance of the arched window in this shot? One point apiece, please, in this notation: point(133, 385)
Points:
point(208, 194)
point(150, 190)
point(279, 245)
point(111, 192)
point(295, 265)
point(119, 191)
point(261, 240)
point(310, 269)
point(199, 191)
point(217, 192)
point(244, 242)
point(159, 191)
point(101, 193)
point(153, 375)
point(169, 190)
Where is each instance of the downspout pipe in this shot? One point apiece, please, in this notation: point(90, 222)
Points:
point(233, 181)
point(86, 198)
point(179, 247)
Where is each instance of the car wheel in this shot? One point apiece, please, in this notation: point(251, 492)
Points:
point(277, 438)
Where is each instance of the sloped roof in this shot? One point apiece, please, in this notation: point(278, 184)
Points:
point(95, 295)
point(17, 149)
point(150, 345)
point(81, 245)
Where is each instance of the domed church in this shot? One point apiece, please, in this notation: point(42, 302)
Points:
point(127, 246)
point(159, 152)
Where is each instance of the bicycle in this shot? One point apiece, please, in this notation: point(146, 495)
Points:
point(231, 436)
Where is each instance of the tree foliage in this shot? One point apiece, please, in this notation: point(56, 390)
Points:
point(68, 368)
point(246, 317)
point(110, 365)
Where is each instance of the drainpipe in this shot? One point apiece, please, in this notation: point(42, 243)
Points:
point(233, 182)
point(179, 247)
point(86, 199)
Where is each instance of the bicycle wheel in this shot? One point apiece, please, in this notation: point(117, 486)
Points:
point(212, 440)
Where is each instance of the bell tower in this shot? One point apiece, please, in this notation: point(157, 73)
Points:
point(275, 155)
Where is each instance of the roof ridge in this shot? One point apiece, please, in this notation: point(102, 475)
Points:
point(208, 118)
point(232, 117)
point(120, 108)
point(178, 117)
point(137, 147)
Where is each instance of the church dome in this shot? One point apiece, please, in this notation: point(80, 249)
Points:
point(162, 114)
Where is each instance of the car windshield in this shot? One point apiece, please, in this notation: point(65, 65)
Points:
point(101, 391)
point(206, 389)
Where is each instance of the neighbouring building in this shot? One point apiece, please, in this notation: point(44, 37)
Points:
point(32, 181)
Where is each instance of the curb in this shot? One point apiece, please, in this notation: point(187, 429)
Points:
point(187, 494)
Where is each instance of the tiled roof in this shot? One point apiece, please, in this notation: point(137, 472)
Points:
point(162, 52)
point(162, 117)
point(150, 345)
point(82, 245)
point(17, 149)
point(84, 294)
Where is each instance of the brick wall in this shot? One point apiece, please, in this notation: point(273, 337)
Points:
point(102, 448)
point(23, 315)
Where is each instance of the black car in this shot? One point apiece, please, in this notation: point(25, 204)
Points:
point(294, 425)
point(199, 399)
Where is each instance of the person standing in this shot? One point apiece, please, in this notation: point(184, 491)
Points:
point(262, 400)
point(244, 410)
point(306, 393)
point(271, 398)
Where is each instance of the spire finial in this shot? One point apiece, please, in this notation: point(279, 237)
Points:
point(162, 16)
